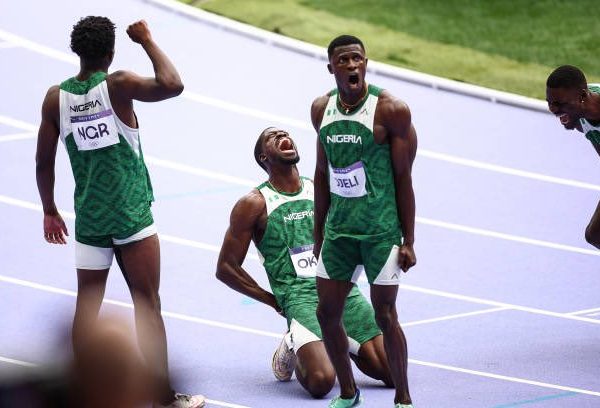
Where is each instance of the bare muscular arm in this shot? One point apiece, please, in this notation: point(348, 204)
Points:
point(402, 138)
point(45, 156)
point(125, 86)
point(321, 182)
point(243, 225)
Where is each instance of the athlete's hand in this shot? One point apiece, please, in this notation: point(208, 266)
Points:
point(406, 257)
point(139, 32)
point(55, 229)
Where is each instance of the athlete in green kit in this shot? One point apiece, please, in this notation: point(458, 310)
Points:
point(278, 217)
point(364, 209)
point(577, 105)
point(92, 113)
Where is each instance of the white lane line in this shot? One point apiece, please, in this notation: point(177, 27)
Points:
point(32, 365)
point(19, 124)
point(472, 299)
point(199, 172)
point(506, 170)
point(586, 311)
point(16, 362)
point(507, 237)
point(38, 48)
point(225, 404)
point(243, 110)
point(455, 316)
point(434, 292)
point(17, 136)
point(127, 305)
point(503, 377)
point(255, 113)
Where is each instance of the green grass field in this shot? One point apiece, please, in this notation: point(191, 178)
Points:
point(511, 45)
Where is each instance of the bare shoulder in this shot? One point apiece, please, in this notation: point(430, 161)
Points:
point(250, 206)
point(50, 106)
point(317, 109)
point(394, 108)
point(120, 76)
point(121, 80)
point(393, 114)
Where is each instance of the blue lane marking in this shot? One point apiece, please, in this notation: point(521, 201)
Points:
point(535, 400)
point(248, 301)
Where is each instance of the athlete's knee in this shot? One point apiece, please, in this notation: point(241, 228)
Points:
point(147, 299)
point(319, 382)
point(592, 235)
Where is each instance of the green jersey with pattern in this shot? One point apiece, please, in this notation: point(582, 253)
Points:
point(285, 249)
point(592, 132)
point(112, 185)
point(361, 182)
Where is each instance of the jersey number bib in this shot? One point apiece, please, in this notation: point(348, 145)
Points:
point(94, 131)
point(348, 181)
point(305, 263)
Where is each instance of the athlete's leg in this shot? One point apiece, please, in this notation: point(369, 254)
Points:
point(314, 370)
point(592, 232)
point(91, 284)
point(140, 263)
point(383, 298)
point(332, 297)
point(372, 360)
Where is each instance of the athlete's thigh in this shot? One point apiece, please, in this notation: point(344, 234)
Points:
point(312, 357)
point(141, 261)
point(340, 259)
point(302, 323)
point(381, 260)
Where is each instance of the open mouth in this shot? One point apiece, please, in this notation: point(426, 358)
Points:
point(353, 79)
point(564, 118)
point(285, 144)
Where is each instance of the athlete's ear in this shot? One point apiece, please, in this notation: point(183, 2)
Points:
point(329, 68)
point(262, 157)
point(110, 56)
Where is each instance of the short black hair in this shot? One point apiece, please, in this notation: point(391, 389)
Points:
point(566, 76)
point(341, 40)
point(93, 38)
point(258, 148)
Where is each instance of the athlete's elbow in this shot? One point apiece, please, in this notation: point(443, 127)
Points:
point(171, 87)
point(175, 88)
point(221, 273)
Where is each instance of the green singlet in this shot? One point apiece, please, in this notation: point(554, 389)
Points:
point(362, 224)
point(112, 186)
point(592, 132)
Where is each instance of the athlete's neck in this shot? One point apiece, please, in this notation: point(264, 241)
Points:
point(350, 100)
point(89, 68)
point(285, 179)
